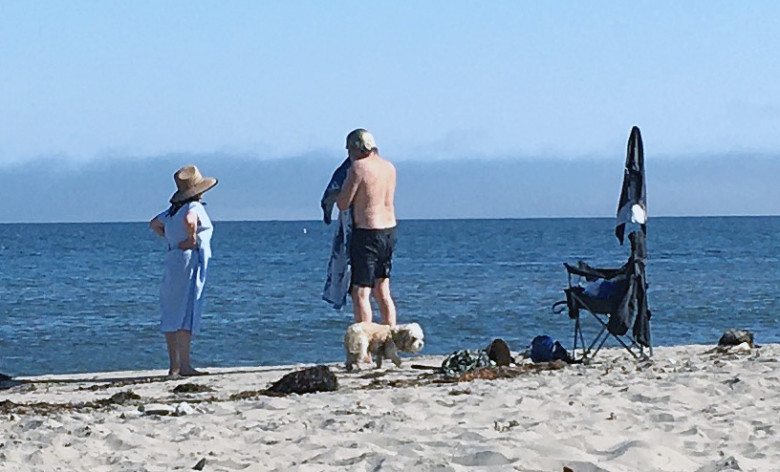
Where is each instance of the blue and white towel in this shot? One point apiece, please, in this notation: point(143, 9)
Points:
point(339, 269)
point(339, 272)
point(332, 190)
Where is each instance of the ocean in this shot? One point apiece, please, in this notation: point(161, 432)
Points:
point(83, 297)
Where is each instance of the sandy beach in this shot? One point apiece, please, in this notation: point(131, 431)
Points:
point(692, 408)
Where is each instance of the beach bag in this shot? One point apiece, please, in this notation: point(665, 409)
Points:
point(460, 362)
point(546, 349)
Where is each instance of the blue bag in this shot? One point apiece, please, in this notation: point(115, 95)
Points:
point(546, 349)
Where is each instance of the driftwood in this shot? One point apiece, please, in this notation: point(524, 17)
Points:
point(192, 388)
point(120, 398)
point(490, 373)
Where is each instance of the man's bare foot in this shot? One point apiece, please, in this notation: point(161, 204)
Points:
point(174, 374)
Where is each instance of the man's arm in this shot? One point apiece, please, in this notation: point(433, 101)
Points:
point(349, 189)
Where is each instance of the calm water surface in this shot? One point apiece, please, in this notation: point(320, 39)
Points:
point(83, 297)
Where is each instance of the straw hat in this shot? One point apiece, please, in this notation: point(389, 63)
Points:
point(190, 183)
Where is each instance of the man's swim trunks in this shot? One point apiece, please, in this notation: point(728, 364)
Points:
point(371, 255)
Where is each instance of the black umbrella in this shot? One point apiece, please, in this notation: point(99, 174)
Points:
point(632, 207)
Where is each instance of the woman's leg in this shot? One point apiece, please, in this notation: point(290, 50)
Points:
point(171, 339)
point(184, 341)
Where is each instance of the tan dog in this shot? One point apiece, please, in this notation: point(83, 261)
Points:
point(362, 340)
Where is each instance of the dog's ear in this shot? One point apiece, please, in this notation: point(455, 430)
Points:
point(415, 331)
point(401, 336)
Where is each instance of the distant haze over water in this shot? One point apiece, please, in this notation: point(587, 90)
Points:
point(289, 189)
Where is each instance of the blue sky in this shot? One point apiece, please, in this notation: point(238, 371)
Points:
point(116, 81)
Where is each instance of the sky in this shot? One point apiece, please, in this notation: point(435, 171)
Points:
point(495, 90)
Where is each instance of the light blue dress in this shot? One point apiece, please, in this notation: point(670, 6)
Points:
point(184, 276)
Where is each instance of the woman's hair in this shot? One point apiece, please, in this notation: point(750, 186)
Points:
point(175, 207)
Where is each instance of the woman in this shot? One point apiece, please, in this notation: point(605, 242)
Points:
point(187, 229)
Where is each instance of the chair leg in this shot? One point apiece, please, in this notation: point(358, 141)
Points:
point(650, 337)
point(579, 338)
point(600, 339)
point(574, 345)
point(605, 334)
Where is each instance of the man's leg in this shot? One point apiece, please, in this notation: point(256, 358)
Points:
point(386, 304)
point(363, 257)
point(361, 303)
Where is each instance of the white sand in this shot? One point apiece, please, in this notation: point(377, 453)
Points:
point(688, 410)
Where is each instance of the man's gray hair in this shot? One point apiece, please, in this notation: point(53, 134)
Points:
point(361, 140)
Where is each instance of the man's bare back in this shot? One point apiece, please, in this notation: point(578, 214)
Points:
point(373, 204)
point(370, 189)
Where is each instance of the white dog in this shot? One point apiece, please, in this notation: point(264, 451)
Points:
point(383, 342)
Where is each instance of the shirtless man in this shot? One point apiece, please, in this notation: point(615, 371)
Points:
point(370, 189)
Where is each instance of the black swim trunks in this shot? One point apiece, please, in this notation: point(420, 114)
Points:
point(371, 255)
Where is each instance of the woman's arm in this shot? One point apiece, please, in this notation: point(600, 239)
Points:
point(191, 225)
point(158, 227)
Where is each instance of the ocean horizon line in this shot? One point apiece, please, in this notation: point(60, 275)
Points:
point(316, 221)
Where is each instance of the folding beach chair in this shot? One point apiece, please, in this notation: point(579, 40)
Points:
point(616, 299)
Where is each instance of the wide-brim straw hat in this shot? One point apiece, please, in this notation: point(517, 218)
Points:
point(190, 183)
